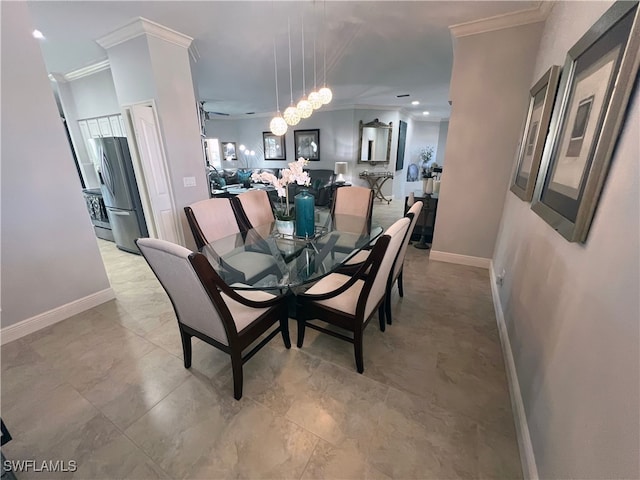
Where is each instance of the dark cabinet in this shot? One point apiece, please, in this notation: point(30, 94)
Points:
point(427, 219)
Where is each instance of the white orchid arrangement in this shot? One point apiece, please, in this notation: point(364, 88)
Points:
point(294, 174)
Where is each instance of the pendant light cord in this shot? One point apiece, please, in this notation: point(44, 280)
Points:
point(324, 35)
point(304, 90)
point(290, 71)
point(275, 68)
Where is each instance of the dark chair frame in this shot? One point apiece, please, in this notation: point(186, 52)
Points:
point(241, 216)
point(351, 269)
point(238, 341)
point(309, 310)
point(196, 231)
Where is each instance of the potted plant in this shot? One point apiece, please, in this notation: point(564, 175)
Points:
point(284, 212)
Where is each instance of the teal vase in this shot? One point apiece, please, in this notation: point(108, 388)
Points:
point(305, 214)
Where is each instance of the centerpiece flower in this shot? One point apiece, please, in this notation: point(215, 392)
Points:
point(294, 174)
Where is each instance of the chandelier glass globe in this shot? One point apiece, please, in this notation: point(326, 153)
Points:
point(315, 100)
point(291, 115)
point(304, 108)
point(278, 126)
point(325, 95)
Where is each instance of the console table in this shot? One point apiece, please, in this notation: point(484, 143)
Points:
point(376, 180)
point(426, 222)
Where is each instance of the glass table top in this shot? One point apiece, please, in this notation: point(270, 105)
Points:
point(265, 259)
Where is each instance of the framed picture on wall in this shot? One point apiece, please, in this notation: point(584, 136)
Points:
point(536, 127)
point(597, 80)
point(229, 151)
point(402, 140)
point(307, 144)
point(274, 146)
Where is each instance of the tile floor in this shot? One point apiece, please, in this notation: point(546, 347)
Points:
point(107, 389)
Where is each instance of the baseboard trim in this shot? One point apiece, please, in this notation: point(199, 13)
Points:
point(527, 456)
point(33, 324)
point(459, 259)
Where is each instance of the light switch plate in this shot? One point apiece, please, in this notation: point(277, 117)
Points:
point(189, 181)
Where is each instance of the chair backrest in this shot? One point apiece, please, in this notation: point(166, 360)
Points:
point(413, 214)
point(376, 284)
point(253, 209)
point(211, 220)
point(354, 202)
point(196, 306)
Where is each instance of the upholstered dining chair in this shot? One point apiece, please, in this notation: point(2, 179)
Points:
point(209, 309)
point(253, 209)
point(353, 263)
point(355, 202)
point(213, 220)
point(349, 302)
point(398, 265)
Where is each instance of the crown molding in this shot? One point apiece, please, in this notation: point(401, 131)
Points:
point(84, 71)
point(507, 20)
point(142, 26)
point(57, 77)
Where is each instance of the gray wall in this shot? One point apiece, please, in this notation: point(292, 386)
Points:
point(489, 87)
point(50, 254)
point(572, 310)
point(339, 136)
point(442, 141)
point(95, 95)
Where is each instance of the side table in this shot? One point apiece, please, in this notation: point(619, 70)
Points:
point(376, 180)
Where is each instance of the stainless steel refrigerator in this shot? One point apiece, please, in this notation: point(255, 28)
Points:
point(120, 192)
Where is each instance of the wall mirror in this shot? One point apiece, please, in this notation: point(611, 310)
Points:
point(375, 142)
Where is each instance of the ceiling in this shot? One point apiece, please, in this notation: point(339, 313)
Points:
point(375, 50)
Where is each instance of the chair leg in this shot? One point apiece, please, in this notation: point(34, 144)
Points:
point(400, 289)
point(301, 326)
point(381, 316)
point(284, 329)
point(357, 346)
point(236, 367)
point(387, 304)
point(186, 348)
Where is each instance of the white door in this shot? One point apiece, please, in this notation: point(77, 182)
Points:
point(155, 173)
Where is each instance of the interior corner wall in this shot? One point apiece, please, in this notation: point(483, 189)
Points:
point(490, 82)
point(572, 310)
point(442, 141)
point(50, 256)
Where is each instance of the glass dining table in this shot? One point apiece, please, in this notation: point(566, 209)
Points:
point(264, 259)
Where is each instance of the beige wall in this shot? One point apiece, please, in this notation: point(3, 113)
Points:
point(489, 86)
point(50, 256)
point(572, 310)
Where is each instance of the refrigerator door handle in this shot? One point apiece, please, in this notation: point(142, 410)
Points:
point(107, 174)
point(122, 213)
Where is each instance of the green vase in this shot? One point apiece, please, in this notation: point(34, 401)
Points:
point(305, 214)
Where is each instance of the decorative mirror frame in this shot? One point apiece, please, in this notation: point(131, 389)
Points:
point(375, 124)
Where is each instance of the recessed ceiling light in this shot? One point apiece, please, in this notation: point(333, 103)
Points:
point(37, 34)
point(425, 113)
point(415, 102)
